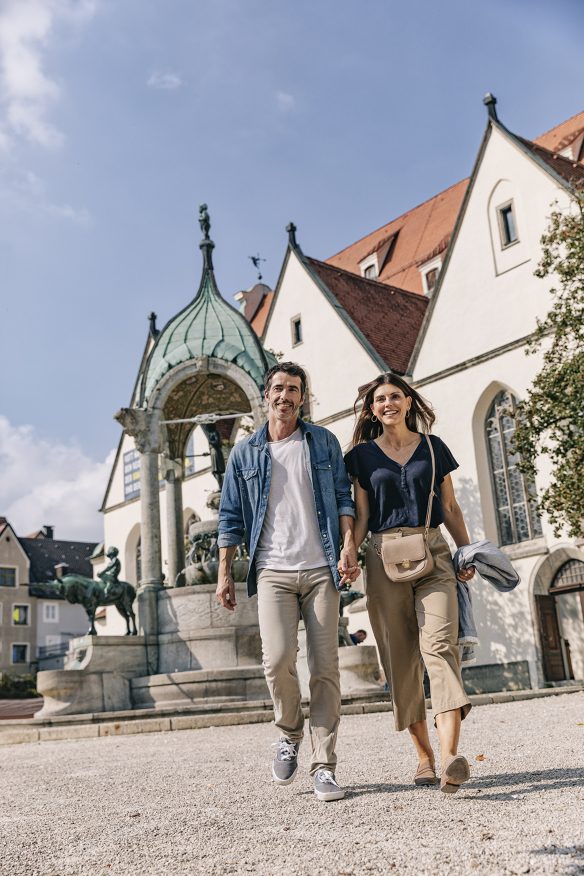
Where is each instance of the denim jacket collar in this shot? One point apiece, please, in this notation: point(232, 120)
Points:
point(260, 438)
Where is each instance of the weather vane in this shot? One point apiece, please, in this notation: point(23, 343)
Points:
point(256, 262)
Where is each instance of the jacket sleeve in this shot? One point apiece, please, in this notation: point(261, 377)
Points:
point(345, 504)
point(231, 526)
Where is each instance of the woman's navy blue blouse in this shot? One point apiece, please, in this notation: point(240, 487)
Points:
point(398, 494)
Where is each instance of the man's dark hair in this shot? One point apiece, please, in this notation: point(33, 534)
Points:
point(287, 368)
point(362, 631)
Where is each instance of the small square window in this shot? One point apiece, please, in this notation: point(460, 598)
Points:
point(507, 225)
point(20, 615)
point(296, 331)
point(371, 272)
point(7, 577)
point(50, 613)
point(20, 653)
point(431, 278)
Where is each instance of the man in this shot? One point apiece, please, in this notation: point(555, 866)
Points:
point(287, 487)
point(358, 637)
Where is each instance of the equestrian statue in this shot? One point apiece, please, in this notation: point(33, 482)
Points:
point(79, 590)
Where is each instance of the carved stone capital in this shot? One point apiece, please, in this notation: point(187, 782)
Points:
point(138, 424)
point(170, 467)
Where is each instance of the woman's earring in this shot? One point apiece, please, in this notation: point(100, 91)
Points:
point(407, 413)
point(373, 419)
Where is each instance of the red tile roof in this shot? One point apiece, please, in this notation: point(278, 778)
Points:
point(422, 233)
point(562, 135)
point(390, 318)
point(571, 171)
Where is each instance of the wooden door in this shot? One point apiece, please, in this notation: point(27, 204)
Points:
point(553, 665)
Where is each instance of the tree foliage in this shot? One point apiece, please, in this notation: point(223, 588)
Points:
point(550, 420)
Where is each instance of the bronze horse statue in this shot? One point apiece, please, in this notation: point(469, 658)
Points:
point(79, 590)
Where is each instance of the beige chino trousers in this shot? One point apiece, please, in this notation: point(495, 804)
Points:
point(417, 619)
point(282, 595)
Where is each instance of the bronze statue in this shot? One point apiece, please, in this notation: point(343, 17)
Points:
point(204, 220)
point(79, 590)
point(216, 448)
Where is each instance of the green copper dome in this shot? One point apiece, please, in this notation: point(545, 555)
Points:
point(209, 326)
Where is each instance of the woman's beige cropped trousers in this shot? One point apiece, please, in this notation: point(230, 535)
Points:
point(417, 619)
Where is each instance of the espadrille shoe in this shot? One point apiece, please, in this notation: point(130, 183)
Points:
point(454, 772)
point(425, 774)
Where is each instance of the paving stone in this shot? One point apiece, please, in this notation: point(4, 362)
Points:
point(202, 803)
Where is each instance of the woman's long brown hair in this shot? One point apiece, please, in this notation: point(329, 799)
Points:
point(420, 419)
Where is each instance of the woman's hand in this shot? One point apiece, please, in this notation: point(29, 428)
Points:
point(466, 574)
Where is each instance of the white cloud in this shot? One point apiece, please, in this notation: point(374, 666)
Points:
point(164, 81)
point(285, 101)
point(27, 192)
point(42, 482)
point(67, 212)
point(26, 92)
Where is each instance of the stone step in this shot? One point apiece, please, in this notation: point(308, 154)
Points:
point(211, 715)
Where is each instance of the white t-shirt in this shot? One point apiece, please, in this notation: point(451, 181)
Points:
point(290, 537)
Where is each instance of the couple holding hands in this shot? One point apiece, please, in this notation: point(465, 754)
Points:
point(287, 490)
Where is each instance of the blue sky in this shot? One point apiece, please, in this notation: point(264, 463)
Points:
point(118, 118)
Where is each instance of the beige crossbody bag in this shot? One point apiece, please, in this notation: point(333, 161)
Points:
point(408, 557)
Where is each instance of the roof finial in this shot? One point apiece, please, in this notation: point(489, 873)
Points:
point(489, 101)
point(256, 263)
point(206, 244)
point(291, 229)
point(153, 330)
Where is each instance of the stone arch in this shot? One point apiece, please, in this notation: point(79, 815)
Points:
point(539, 584)
point(485, 483)
point(201, 369)
point(130, 572)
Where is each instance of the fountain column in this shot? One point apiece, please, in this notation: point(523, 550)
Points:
point(174, 523)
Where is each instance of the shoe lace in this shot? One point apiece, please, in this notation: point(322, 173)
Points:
point(327, 777)
point(286, 750)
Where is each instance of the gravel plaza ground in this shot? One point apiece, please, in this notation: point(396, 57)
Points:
point(202, 802)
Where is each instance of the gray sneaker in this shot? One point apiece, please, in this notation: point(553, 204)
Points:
point(285, 764)
point(326, 787)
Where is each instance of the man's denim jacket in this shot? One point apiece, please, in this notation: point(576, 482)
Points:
point(246, 488)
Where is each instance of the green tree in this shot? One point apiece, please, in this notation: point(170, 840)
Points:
point(550, 420)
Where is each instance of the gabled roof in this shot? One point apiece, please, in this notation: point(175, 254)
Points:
point(258, 322)
point(45, 553)
point(562, 135)
point(567, 174)
point(385, 320)
point(390, 318)
point(420, 234)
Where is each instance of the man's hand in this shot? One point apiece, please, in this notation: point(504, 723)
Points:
point(225, 591)
point(347, 565)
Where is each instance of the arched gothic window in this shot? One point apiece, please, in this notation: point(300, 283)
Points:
point(570, 575)
point(515, 496)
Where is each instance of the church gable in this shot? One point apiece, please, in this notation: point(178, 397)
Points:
point(487, 296)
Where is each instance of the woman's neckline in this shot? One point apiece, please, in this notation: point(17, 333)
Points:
point(395, 462)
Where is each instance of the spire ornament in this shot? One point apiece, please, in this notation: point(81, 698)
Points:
point(206, 244)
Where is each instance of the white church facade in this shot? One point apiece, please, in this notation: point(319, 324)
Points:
point(447, 296)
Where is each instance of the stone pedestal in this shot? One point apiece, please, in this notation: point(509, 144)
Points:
point(96, 677)
point(358, 666)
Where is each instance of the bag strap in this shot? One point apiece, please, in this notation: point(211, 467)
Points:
point(430, 500)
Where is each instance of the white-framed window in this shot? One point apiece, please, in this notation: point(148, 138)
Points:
point(21, 615)
point(296, 326)
point(507, 224)
point(8, 577)
point(51, 612)
point(19, 653)
point(370, 266)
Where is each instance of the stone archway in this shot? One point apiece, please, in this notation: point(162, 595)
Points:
point(558, 618)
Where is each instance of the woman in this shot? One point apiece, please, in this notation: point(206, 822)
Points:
point(391, 467)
